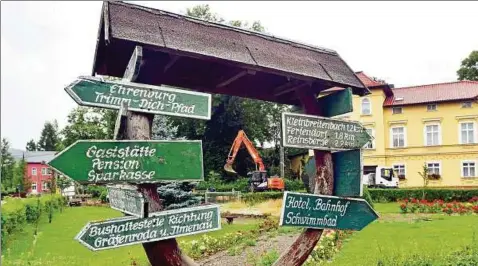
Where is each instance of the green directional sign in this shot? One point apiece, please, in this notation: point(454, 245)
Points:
point(320, 133)
point(133, 161)
point(126, 231)
point(320, 211)
point(92, 91)
point(126, 199)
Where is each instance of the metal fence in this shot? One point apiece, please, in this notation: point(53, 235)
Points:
point(221, 197)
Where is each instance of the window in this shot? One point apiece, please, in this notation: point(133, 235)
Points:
point(466, 105)
point(398, 137)
point(433, 168)
point(44, 186)
point(432, 135)
point(43, 171)
point(371, 143)
point(34, 186)
point(467, 132)
point(46, 171)
point(397, 110)
point(400, 170)
point(34, 171)
point(431, 107)
point(366, 106)
point(468, 169)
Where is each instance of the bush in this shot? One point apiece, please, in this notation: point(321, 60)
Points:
point(95, 191)
point(294, 185)
point(242, 184)
point(393, 195)
point(257, 197)
point(17, 212)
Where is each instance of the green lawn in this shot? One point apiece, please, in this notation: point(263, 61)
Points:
point(397, 237)
point(55, 244)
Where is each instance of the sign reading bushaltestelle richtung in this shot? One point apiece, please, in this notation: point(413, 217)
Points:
point(161, 225)
point(314, 132)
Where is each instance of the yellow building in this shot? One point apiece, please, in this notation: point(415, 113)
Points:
point(434, 125)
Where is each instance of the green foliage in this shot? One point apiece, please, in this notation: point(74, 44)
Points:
point(63, 182)
point(392, 195)
point(367, 196)
point(31, 145)
point(469, 67)
point(103, 196)
point(17, 212)
point(7, 164)
point(177, 195)
point(258, 197)
point(49, 137)
point(95, 190)
point(268, 258)
point(88, 123)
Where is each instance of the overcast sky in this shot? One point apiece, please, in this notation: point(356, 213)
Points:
point(46, 45)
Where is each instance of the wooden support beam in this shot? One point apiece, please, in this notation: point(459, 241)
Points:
point(300, 250)
point(134, 64)
point(172, 61)
point(120, 124)
point(139, 127)
point(236, 77)
point(290, 87)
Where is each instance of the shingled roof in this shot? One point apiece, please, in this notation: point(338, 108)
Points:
point(191, 53)
point(433, 93)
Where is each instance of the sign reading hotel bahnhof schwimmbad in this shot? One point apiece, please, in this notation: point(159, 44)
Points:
point(133, 161)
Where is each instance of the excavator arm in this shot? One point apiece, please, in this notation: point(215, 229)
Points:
point(236, 145)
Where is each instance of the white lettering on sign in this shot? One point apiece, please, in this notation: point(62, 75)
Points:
point(119, 163)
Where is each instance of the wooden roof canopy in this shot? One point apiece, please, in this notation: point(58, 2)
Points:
point(193, 54)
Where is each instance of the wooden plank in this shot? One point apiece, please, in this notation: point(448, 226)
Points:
point(120, 123)
point(348, 173)
point(134, 64)
point(336, 103)
point(235, 77)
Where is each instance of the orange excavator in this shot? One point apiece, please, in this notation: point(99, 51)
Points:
point(258, 179)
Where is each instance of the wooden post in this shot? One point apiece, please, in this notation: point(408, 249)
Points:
point(300, 250)
point(139, 127)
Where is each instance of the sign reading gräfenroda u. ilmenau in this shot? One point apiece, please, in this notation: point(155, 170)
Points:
point(126, 231)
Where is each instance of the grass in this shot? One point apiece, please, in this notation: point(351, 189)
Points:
point(55, 245)
point(404, 238)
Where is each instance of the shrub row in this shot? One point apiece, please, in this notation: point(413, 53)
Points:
point(16, 212)
point(393, 195)
point(257, 197)
point(242, 184)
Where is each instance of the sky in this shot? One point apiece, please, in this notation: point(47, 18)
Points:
point(47, 45)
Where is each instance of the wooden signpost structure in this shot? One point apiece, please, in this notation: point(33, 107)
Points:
point(158, 48)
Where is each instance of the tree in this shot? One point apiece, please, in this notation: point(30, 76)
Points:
point(426, 178)
point(469, 67)
point(31, 146)
point(88, 123)
point(7, 165)
point(19, 175)
point(49, 138)
point(230, 114)
point(162, 129)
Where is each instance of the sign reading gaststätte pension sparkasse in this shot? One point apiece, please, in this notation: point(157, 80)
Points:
point(126, 231)
point(92, 91)
point(133, 161)
point(320, 133)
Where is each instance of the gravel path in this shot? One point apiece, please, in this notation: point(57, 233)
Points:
point(264, 245)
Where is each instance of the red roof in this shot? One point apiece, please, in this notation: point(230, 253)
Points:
point(441, 92)
point(366, 80)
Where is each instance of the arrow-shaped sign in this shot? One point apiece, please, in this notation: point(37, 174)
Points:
point(126, 231)
point(320, 211)
point(320, 133)
point(91, 91)
point(120, 161)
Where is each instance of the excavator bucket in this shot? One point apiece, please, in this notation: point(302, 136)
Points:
point(228, 168)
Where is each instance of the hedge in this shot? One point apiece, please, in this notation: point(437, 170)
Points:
point(242, 184)
point(392, 195)
point(17, 212)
